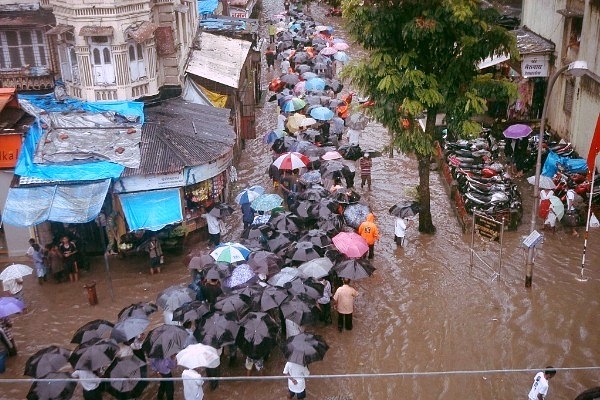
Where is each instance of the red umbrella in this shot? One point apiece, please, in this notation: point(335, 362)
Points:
point(291, 161)
point(351, 244)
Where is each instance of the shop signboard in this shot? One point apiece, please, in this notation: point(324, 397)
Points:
point(534, 66)
point(10, 147)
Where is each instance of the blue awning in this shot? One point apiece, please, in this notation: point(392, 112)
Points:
point(152, 210)
point(71, 204)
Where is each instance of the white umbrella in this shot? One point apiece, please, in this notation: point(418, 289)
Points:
point(15, 271)
point(198, 355)
point(545, 182)
point(317, 268)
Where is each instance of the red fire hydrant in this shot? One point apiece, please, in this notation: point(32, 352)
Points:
point(91, 293)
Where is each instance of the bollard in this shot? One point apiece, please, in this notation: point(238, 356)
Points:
point(91, 293)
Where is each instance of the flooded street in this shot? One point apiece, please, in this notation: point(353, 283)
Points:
point(439, 329)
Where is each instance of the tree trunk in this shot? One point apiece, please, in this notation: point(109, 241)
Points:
point(425, 221)
point(392, 137)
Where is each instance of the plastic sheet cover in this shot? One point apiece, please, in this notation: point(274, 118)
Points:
point(571, 164)
point(152, 210)
point(71, 204)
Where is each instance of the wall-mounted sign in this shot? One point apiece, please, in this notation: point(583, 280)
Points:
point(10, 147)
point(535, 66)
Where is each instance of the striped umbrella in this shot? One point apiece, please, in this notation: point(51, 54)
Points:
point(230, 252)
point(291, 161)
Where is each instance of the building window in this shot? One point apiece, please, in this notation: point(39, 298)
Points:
point(569, 95)
point(22, 49)
point(68, 63)
point(137, 67)
point(104, 72)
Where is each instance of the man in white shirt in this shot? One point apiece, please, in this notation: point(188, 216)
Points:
point(90, 382)
point(296, 381)
point(539, 389)
point(214, 228)
point(192, 385)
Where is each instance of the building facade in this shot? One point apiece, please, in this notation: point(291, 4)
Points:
point(573, 26)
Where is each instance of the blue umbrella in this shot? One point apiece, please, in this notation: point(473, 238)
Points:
point(293, 104)
point(273, 135)
point(341, 56)
point(248, 195)
point(315, 84)
point(321, 113)
point(311, 177)
point(266, 202)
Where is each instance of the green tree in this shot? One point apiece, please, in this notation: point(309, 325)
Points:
point(422, 57)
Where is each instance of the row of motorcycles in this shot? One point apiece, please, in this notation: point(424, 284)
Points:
point(482, 181)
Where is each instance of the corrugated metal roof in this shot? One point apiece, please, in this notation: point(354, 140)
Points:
point(60, 29)
point(177, 134)
point(529, 42)
point(96, 31)
point(220, 59)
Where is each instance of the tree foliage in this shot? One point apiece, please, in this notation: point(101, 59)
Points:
point(422, 57)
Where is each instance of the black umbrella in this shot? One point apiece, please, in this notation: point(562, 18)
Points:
point(129, 328)
point(59, 389)
point(303, 209)
point(94, 354)
point(257, 335)
point(265, 262)
point(327, 207)
point(233, 306)
point(279, 241)
point(46, 360)
point(317, 237)
point(331, 224)
point(251, 295)
point(165, 341)
point(221, 210)
point(305, 287)
point(356, 214)
point(305, 348)
point(300, 57)
point(140, 309)
point(332, 168)
point(272, 297)
point(315, 193)
point(200, 262)
point(97, 328)
point(174, 296)
point(405, 209)
point(132, 368)
point(299, 309)
point(286, 221)
point(302, 68)
point(216, 330)
point(191, 311)
point(354, 268)
point(219, 270)
point(290, 79)
point(301, 252)
point(345, 196)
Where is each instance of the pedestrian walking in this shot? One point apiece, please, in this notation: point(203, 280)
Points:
point(156, 255)
point(164, 368)
point(324, 302)
point(192, 385)
point(214, 227)
point(343, 302)
point(247, 215)
point(15, 288)
point(211, 289)
point(69, 253)
point(369, 231)
point(55, 263)
point(30, 250)
point(365, 164)
point(38, 261)
point(539, 388)
point(270, 55)
point(7, 337)
point(272, 32)
point(400, 227)
point(296, 381)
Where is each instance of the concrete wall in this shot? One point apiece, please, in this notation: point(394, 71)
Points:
point(16, 237)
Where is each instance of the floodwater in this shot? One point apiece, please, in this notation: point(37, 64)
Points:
point(440, 329)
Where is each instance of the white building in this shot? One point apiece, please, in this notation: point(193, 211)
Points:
point(573, 26)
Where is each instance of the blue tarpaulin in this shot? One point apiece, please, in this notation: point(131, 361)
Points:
point(71, 204)
point(152, 210)
point(207, 6)
point(75, 171)
point(571, 164)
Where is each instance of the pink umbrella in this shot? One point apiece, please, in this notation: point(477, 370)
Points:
point(327, 51)
point(291, 161)
point(351, 244)
point(331, 155)
point(517, 131)
point(341, 46)
point(299, 88)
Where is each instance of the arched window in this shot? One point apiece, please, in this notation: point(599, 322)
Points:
point(137, 67)
point(104, 72)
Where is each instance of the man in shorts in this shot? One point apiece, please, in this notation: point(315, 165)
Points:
point(257, 363)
